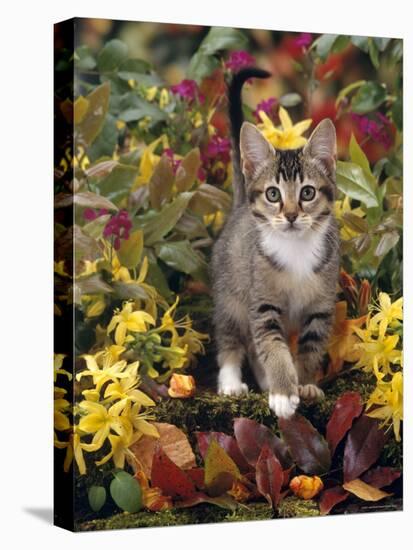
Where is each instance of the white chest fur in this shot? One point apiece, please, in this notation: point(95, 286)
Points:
point(298, 254)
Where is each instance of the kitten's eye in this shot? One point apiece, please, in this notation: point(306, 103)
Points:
point(273, 194)
point(307, 193)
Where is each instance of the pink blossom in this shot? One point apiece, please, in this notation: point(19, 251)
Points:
point(238, 60)
point(175, 162)
point(118, 227)
point(269, 106)
point(303, 40)
point(189, 90)
point(377, 128)
point(89, 214)
point(219, 146)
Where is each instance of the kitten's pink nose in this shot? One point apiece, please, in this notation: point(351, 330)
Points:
point(291, 217)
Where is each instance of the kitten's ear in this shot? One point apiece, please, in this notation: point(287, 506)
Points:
point(255, 149)
point(322, 147)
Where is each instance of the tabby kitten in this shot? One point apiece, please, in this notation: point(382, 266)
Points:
point(275, 264)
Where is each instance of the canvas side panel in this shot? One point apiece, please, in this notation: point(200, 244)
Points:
point(64, 269)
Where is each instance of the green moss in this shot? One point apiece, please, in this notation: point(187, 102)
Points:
point(199, 514)
point(293, 507)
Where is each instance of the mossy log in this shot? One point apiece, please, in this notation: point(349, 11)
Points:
point(209, 411)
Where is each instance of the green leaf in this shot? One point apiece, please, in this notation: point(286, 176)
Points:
point(130, 251)
point(134, 108)
point(355, 223)
point(188, 170)
point(84, 59)
point(386, 243)
point(203, 62)
point(90, 126)
point(352, 181)
point(163, 222)
point(223, 38)
point(290, 100)
point(324, 44)
point(97, 497)
point(201, 66)
point(132, 67)
point(113, 54)
point(95, 227)
point(129, 291)
point(345, 91)
point(160, 185)
point(126, 492)
point(208, 199)
point(362, 42)
point(397, 113)
point(180, 256)
point(118, 183)
point(358, 156)
point(105, 143)
point(381, 42)
point(370, 96)
point(374, 53)
point(340, 43)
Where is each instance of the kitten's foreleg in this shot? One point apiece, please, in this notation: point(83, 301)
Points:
point(275, 357)
point(312, 345)
point(230, 377)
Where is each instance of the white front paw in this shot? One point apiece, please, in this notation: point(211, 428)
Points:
point(283, 406)
point(233, 387)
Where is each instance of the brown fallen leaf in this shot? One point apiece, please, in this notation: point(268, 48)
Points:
point(364, 490)
point(174, 443)
point(181, 385)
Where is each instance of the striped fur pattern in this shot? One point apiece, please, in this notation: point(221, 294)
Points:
point(275, 269)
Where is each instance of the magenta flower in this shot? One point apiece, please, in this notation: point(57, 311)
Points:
point(269, 106)
point(89, 214)
point(118, 227)
point(376, 128)
point(189, 90)
point(238, 60)
point(303, 40)
point(219, 147)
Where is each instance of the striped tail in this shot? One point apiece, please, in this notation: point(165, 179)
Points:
point(236, 118)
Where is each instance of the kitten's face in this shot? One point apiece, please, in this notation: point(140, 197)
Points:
point(290, 191)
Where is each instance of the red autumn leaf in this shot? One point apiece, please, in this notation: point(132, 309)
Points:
point(330, 497)
point(169, 478)
point(346, 409)
point(364, 444)
point(227, 442)
point(252, 436)
point(308, 447)
point(269, 476)
point(197, 476)
point(223, 501)
point(382, 476)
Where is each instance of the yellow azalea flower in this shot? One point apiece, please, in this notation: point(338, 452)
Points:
point(377, 353)
point(88, 268)
point(94, 305)
point(197, 119)
point(151, 93)
point(61, 409)
point(140, 421)
point(128, 320)
point(120, 449)
point(74, 448)
point(289, 136)
point(387, 399)
point(163, 98)
point(343, 207)
point(149, 160)
point(388, 313)
point(341, 347)
point(59, 268)
point(102, 367)
point(57, 364)
point(126, 388)
point(120, 124)
point(100, 421)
